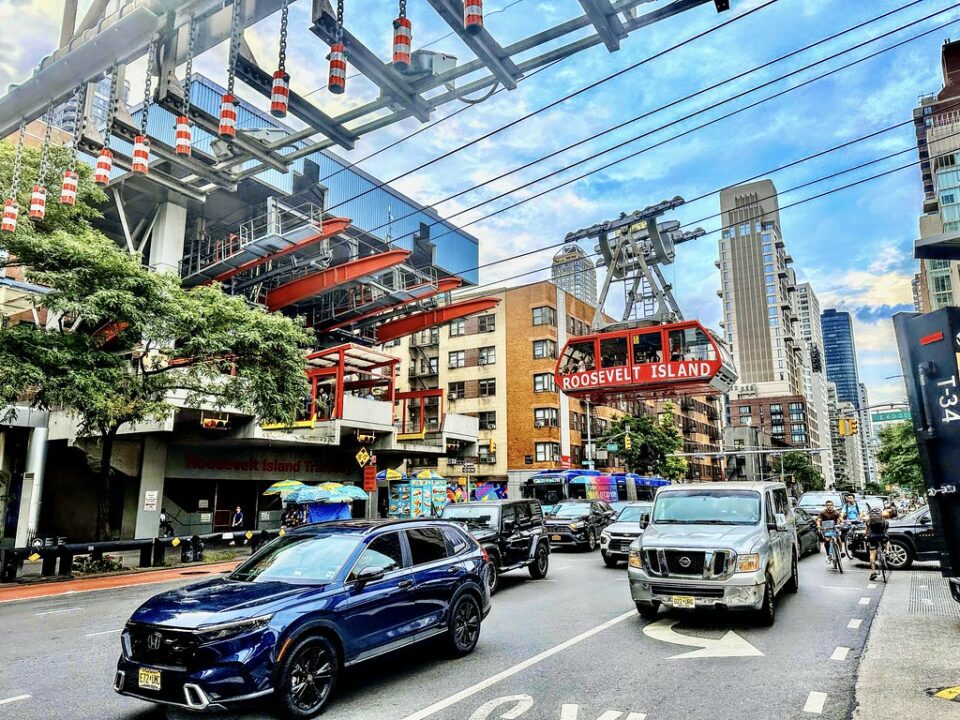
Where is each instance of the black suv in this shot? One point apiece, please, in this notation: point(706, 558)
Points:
point(511, 531)
point(912, 537)
point(578, 523)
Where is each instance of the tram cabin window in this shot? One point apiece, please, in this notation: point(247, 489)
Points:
point(690, 344)
point(578, 357)
point(613, 352)
point(647, 348)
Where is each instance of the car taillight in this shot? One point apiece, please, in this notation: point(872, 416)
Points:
point(486, 555)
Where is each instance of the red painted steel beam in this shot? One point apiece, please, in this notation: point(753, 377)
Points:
point(318, 282)
point(331, 227)
point(443, 285)
point(421, 321)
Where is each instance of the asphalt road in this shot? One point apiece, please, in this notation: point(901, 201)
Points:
point(570, 647)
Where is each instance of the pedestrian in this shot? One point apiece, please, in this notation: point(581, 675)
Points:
point(166, 529)
point(237, 523)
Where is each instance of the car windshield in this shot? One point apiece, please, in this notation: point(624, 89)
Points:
point(299, 559)
point(570, 510)
point(707, 507)
point(633, 513)
point(484, 516)
point(818, 499)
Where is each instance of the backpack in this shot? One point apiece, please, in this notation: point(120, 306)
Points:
point(876, 521)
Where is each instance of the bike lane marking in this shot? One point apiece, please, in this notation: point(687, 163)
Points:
point(54, 612)
point(855, 623)
point(515, 669)
point(864, 601)
point(104, 632)
point(815, 702)
point(15, 698)
point(840, 653)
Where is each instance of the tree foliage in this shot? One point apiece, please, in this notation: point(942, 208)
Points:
point(800, 469)
point(652, 439)
point(120, 340)
point(899, 458)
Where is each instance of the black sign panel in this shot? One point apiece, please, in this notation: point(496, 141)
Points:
point(929, 346)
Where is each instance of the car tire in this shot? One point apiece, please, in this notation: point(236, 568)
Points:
point(900, 556)
point(463, 627)
point(493, 573)
point(793, 584)
point(591, 544)
point(610, 562)
point(648, 611)
point(767, 613)
point(298, 692)
point(541, 562)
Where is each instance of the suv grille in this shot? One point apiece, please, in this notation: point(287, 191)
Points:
point(704, 592)
point(680, 562)
point(161, 646)
point(689, 563)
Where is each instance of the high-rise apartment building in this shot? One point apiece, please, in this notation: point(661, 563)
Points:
point(64, 115)
point(573, 271)
point(868, 441)
point(814, 377)
point(840, 354)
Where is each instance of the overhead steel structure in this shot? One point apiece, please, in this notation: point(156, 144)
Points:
point(179, 31)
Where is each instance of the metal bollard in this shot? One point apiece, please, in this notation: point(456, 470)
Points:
point(66, 561)
point(159, 553)
point(146, 554)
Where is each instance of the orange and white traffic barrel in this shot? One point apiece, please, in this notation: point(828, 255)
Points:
point(68, 191)
point(38, 202)
point(402, 40)
point(228, 117)
point(101, 173)
point(337, 81)
point(10, 211)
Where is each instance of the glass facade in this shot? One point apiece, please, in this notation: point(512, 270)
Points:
point(841, 355)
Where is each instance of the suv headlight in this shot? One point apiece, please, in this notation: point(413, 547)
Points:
point(634, 560)
point(748, 563)
point(579, 525)
point(212, 633)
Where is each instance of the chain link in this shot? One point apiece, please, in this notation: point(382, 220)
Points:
point(339, 20)
point(188, 71)
point(80, 96)
point(284, 16)
point(148, 86)
point(112, 104)
point(18, 161)
point(403, 8)
point(45, 156)
point(234, 45)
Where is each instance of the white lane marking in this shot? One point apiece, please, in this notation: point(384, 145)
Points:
point(54, 612)
point(840, 653)
point(864, 601)
point(730, 645)
point(521, 703)
point(104, 632)
point(562, 567)
point(13, 699)
point(572, 712)
point(815, 702)
point(515, 669)
point(871, 586)
point(838, 587)
point(855, 623)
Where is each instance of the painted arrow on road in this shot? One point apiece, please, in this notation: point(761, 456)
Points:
point(730, 645)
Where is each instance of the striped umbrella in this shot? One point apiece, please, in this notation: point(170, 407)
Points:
point(284, 486)
point(390, 474)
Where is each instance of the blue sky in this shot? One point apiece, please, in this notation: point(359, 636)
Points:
point(854, 246)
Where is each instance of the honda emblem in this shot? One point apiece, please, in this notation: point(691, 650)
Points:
point(154, 640)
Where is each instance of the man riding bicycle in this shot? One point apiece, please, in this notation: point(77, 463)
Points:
point(877, 526)
point(830, 515)
point(849, 513)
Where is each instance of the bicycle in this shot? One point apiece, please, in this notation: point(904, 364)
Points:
point(883, 564)
point(829, 530)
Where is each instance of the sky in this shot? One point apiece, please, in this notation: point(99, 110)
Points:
point(854, 245)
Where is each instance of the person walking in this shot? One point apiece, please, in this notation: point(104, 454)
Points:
point(237, 523)
point(166, 528)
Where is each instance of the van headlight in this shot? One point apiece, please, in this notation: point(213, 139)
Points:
point(634, 559)
point(212, 633)
point(748, 563)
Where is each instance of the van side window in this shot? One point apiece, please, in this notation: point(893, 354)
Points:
point(771, 505)
point(782, 505)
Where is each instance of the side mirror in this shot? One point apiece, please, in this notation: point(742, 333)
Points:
point(509, 525)
point(925, 520)
point(644, 521)
point(781, 522)
point(368, 575)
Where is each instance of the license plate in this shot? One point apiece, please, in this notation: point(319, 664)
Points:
point(149, 679)
point(683, 601)
point(556, 537)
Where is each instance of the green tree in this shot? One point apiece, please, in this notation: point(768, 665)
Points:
point(798, 467)
point(899, 458)
point(120, 340)
point(652, 440)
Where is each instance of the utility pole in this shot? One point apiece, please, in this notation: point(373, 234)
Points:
point(589, 437)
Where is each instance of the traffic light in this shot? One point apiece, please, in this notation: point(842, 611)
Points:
point(843, 427)
point(722, 5)
point(493, 447)
point(853, 427)
point(627, 442)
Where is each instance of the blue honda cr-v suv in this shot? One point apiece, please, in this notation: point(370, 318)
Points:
point(308, 604)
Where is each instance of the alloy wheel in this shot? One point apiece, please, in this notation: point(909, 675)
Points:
point(897, 556)
point(466, 623)
point(311, 678)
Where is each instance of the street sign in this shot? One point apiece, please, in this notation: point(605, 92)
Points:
point(612, 447)
point(890, 416)
point(363, 457)
point(469, 468)
point(602, 455)
point(370, 478)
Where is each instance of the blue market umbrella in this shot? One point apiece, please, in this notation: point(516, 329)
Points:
point(390, 474)
point(308, 494)
point(343, 493)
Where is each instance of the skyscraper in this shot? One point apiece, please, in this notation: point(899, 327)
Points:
point(64, 115)
point(840, 353)
point(814, 376)
point(573, 271)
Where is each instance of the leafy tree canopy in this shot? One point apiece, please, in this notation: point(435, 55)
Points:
point(652, 440)
point(800, 468)
point(899, 458)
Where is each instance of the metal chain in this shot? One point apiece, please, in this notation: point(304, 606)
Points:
point(18, 161)
point(188, 72)
point(234, 45)
point(44, 156)
point(284, 16)
point(111, 107)
point(403, 8)
point(339, 20)
point(148, 86)
point(80, 96)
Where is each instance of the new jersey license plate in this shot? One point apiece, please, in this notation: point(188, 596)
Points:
point(149, 679)
point(555, 537)
point(683, 601)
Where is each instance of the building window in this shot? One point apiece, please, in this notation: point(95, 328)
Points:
point(488, 420)
point(544, 316)
point(458, 359)
point(546, 417)
point(487, 323)
point(744, 228)
point(488, 355)
point(776, 430)
point(776, 409)
point(744, 410)
point(544, 349)
point(456, 390)
point(485, 457)
point(796, 411)
point(488, 388)
point(458, 327)
point(547, 452)
point(544, 382)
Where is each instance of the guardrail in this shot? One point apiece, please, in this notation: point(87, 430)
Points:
point(58, 559)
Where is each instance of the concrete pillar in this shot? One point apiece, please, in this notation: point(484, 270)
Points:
point(32, 493)
point(166, 241)
point(152, 474)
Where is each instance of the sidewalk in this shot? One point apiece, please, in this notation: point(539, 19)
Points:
point(912, 647)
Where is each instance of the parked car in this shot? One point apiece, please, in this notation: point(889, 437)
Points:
point(616, 538)
point(730, 545)
point(308, 604)
point(808, 537)
point(815, 501)
point(511, 531)
point(578, 523)
point(912, 538)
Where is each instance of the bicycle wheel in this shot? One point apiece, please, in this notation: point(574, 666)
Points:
point(885, 569)
point(837, 562)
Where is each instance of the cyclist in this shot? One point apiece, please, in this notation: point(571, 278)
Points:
point(828, 514)
point(877, 526)
point(849, 513)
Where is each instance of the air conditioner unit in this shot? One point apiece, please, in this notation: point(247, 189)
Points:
point(482, 361)
point(490, 426)
point(539, 424)
point(453, 396)
point(452, 366)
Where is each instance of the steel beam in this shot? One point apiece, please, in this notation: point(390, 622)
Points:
point(256, 77)
point(421, 321)
point(391, 83)
point(423, 292)
point(604, 18)
point(482, 45)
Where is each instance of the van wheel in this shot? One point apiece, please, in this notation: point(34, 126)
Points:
point(648, 611)
point(308, 678)
point(541, 562)
point(793, 584)
point(768, 611)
